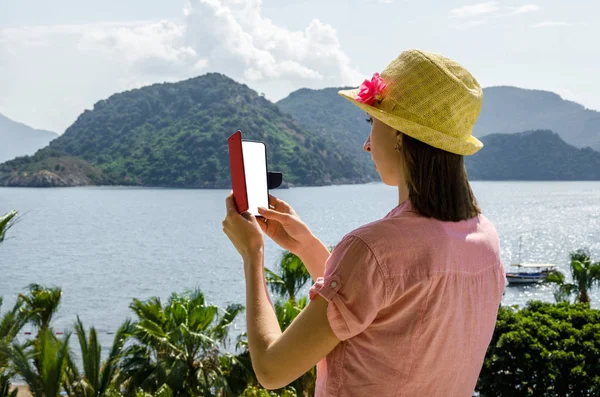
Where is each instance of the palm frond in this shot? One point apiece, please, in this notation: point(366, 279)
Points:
point(150, 309)
point(41, 304)
point(21, 360)
point(12, 322)
point(595, 273)
point(6, 222)
point(554, 276)
point(109, 369)
point(221, 330)
point(564, 292)
point(53, 359)
point(5, 386)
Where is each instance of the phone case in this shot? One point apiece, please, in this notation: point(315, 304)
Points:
point(236, 164)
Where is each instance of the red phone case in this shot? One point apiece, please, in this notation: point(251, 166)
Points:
point(238, 178)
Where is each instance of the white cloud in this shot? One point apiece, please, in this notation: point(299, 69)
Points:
point(524, 9)
point(549, 24)
point(475, 10)
point(231, 37)
point(154, 48)
point(240, 42)
point(79, 64)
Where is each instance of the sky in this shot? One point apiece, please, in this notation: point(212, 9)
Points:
point(58, 58)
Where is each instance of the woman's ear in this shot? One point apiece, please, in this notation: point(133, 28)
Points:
point(398, 146)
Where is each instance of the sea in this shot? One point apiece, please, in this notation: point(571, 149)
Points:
point(105, 246)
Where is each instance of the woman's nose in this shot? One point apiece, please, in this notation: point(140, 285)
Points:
point(367, 144)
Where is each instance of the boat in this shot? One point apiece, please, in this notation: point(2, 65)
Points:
point(539, 274)
point(527, 276)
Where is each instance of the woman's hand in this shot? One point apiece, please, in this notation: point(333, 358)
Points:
point(285, 227)
point(243, 230)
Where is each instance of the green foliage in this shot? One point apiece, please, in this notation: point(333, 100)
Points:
point(175, 135)
point(42, 366)
point(178, 345)
point(584, 274)
point(5, 386)
point(97, 376)
point(292, 278)
point(40, 304)
point(41, 362)
point(6, 222)
point(340, 124)
point(543, 350)
point(10, 324)
point(254, 391)
point(532, 155)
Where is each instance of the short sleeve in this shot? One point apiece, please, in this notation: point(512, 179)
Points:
point(353, 285)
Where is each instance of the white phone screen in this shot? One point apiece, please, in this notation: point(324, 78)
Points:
point(255, 171)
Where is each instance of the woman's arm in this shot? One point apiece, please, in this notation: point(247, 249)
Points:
point(314, 257)
point(280, 358)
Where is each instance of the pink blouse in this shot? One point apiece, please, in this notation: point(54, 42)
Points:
point(414, 301)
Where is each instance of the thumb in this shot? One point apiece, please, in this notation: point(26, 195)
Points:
point(272, 214)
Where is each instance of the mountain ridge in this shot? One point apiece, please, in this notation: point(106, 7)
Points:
point(19, 139)
point(174, 135)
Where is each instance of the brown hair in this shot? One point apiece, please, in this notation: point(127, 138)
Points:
point(437, 182)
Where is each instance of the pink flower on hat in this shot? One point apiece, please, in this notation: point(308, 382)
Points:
point(370, 91)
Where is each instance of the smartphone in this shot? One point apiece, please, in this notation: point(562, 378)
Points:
point(249, 180)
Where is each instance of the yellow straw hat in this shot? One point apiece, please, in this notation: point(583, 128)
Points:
point(426, 96)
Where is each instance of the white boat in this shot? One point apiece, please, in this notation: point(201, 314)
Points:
point(539, 274)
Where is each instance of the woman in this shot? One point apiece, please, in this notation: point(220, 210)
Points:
point(406, 305)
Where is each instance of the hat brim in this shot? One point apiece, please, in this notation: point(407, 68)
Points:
point(467, 147)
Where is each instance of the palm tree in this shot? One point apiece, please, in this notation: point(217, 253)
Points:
point(178, 345)
point(293, 276)
point(584, 273)
point(10, 325)
point(43, 366)
point(41, 304)
point(97, 376)
point(40, 362)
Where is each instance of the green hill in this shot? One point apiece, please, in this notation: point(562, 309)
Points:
point(17, 139)
point(175, 135)
point(336, 120)
point(532, 155)
point(509, 109)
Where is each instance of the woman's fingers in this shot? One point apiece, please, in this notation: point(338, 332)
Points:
point(272, 214)
point(278, 204)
